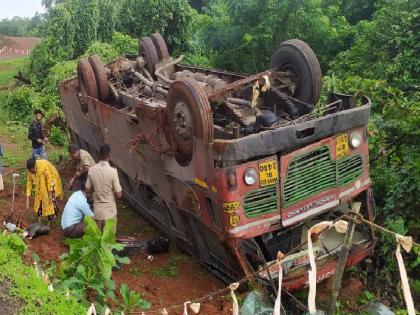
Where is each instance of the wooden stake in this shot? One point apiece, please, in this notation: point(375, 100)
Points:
point(338, 276)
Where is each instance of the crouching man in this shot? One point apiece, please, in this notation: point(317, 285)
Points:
point(84, 161)
point(74, 212)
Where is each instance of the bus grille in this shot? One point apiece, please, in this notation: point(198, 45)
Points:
point(315, 171)
point(349, 169)
point(261, 201)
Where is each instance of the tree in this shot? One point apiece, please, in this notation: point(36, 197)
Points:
point(106, 22)
point(16, 26)
point(244, 33)
point(58, 44)
point(140, 18)
point(86, 19)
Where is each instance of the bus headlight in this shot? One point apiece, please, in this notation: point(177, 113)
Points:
point(355, 139)
point(250, 176)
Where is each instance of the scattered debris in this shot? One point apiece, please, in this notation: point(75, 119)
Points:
point(158, 245)
point(256, 304)
point(377, 308)
point(35, 230)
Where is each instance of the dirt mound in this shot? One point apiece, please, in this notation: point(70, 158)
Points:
point(14, 47)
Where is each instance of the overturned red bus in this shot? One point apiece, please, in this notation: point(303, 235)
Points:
point(232, 167)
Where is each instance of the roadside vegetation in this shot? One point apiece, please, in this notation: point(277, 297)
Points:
point(82, 277)
point(364, 47)
point(28, 289)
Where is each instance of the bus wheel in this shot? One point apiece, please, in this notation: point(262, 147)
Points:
point(86, 78)
point(148, 51)
point(189, 116)
point(100, 76)
point(301, 72)
point(160, 44)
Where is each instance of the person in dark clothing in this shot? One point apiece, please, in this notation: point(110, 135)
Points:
point(36, 134)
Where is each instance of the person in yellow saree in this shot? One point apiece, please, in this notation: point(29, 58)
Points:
point(45, 182)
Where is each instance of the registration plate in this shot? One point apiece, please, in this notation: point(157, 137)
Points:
point(268, 173)
point(342, 147)
point(230, 207)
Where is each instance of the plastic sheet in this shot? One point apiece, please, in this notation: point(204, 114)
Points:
point(378, 308)
point(254, 304)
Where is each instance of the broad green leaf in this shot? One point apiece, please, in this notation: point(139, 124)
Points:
point(144, 304)
point(108, 235)
point(110, 284)
point(123, 260)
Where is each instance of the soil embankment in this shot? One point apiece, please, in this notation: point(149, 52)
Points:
point(15, 47)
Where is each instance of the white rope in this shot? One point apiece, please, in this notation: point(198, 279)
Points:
point(406, 242)
point(186, 307)
point(91, 310)
point(341, 227)
point(235, 306)
point(277, 304)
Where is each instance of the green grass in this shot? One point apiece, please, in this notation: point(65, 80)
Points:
point(16, 133)
point(30, 289)
point(9, 68)
point(135, 271)
point(170, 268)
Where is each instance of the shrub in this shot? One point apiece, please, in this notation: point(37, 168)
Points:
point(28, 286)
point(105, 50)
point(58, 136)
point(124, 44)
point(88, 267)
point(57, 73)
point(19, 103)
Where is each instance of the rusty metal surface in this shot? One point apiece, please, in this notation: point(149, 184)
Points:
point(327, 270)
point(227, 76)
point(215, 95)
point(87, 80)
point(100, 76)
point(287, 138)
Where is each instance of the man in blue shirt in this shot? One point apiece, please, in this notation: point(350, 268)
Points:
point(75, 210)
